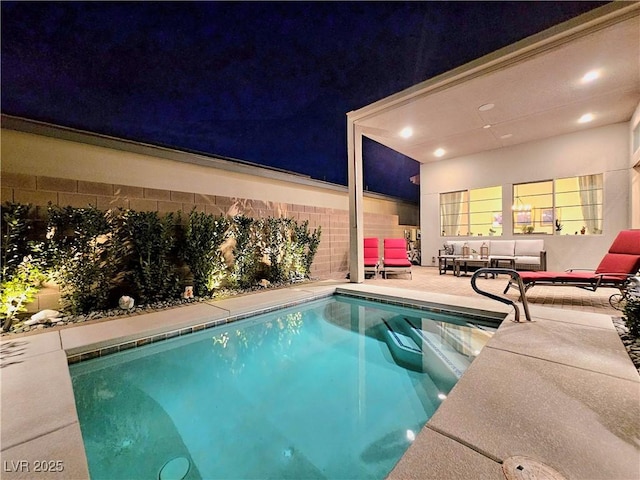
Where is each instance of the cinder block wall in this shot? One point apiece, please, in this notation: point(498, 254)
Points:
point(331, 260)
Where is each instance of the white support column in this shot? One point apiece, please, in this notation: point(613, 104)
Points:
point(356, 217)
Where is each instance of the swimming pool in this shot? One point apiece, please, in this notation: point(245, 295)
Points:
point(336, 388)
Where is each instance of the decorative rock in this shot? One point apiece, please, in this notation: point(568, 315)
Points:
point(264, 283)
point(126, 303)
point(43, 316)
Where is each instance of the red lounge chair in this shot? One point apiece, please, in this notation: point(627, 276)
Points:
point(621, 262)
point(371, 256)
point(395, 259)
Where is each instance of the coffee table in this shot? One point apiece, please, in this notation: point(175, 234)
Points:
point(466, 262)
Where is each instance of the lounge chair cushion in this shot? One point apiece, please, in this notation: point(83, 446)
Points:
point(395, 253)
point(396, 262)
point(619, 263)
point(627, 241)
point(528, 277)
point(370, 252)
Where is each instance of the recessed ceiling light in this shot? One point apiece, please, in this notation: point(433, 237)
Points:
point(506, 135)
point(586, 118)
point(439, 152)
point(590, 76)
point(486, 126)
point(486, 107)
point(406, 132)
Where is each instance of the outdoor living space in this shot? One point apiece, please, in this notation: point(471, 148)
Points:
point(115, 247)
point(525, 395)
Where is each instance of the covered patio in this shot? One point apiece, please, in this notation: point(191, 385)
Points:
point(559, 103)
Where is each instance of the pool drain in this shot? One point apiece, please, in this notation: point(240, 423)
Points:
point(526, 468)
point(175, 469)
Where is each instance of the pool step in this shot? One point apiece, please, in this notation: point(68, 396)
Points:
point(422, 351)
point(403, 348)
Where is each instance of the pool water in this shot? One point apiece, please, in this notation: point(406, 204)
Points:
point(336, 388)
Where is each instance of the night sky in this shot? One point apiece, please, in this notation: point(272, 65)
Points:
point(264, 82)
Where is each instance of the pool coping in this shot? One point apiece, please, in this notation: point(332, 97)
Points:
point(451, 444)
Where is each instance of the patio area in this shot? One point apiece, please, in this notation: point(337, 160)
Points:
point(427, 279)
point(560, 390)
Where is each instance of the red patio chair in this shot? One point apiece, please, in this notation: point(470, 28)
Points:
point(621, 262)
point(395, 259)
point(371, 256)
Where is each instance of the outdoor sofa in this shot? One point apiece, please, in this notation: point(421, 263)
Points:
point(519, 254)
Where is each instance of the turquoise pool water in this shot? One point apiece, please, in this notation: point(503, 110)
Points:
point(336, 388)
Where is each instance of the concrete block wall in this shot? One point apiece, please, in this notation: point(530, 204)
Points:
point(331, 261)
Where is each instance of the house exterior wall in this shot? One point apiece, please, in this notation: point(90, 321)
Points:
point(38, 169)
point(598, 150)
point(634, 163)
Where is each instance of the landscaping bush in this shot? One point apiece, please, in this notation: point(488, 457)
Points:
point(249, 261)
point(19, 289)
point(632, 316)
point(310, 241)
point(18, 234)
point(23, 265)
point(287, 247)
point(85, 264)
point(97, 256)
point(203, 238)
point(145, 242)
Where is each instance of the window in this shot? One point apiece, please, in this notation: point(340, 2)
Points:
point(563, 206)
point(471, 212)
point(528, 200)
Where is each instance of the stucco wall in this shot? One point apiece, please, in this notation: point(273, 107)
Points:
point(598, 150)
point(634, 177)
point(39, 169)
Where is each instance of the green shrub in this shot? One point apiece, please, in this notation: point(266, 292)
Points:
point(97, 256)
point(19, 289)
point(23, 261)
point(145, 243)
point(310, 241)
point(203, 238)
point(250, 262)
point(632, 316)
point(276, 249)
point(80, 241)
point(17, 228)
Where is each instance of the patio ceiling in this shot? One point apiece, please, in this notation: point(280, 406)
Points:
point(536, 87)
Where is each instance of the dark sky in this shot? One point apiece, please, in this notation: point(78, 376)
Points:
point(264, 82)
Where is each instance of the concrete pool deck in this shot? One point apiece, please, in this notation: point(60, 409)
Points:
point(561, 390)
